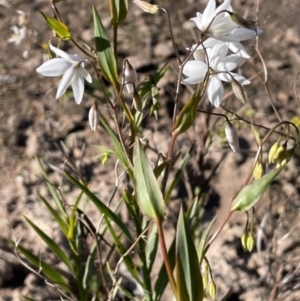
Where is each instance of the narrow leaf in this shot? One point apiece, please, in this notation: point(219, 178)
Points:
point(52, 190)
point(251, 193)
point(149, 195)
point(60, 28)
point(118, 11)
point(151, 248)
point(101, 207)
point(177, 176)
point(46, 269)
point(187, 115)
point(117, 145)
point(188, 275)
point(106, 58)
point(62, 223)
point(122, 250)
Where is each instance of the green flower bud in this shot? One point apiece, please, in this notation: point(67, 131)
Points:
point(250, 242)
point(272, 151)
point(279, 152)
point(212, 289)
point(258, 170)
point(246, 23)
point(285, 157)
point(244, 240)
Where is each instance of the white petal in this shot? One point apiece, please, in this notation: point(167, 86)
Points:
point(61, 54)
point(54, 67)
point(239, 50)
point(217, 54)
point(84, 74)
point(241, 79)
point(192, 80)
point(223, 6)
point(198, 20)
point(208, 13)
point(195, 68)
point(215, 91)
point(65, 82)
point(78, 87)
point(230, 62)
point(241, 34)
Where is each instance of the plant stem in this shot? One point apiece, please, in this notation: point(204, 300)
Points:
point(166, 257)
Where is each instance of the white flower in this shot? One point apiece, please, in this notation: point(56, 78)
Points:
point(18, 35)
point(72, 69)
point(219, 25)
point(235, 47)
point(220, 66)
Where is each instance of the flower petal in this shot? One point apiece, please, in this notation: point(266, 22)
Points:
point(65, 82)
point(215, 91)
point(61, 54)
point(208, 13)
point(239, 49)
point(78, 87)
point(195, 68)
point(230, 62)
point(54, 67)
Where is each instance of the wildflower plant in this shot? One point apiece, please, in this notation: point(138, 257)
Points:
point(217, 55)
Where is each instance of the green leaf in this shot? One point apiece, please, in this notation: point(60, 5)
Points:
point(60, 28)
point(251, 193)
point(188, 275)
point(52, 245)
point(202, 248)
point(50, 273)
point(187, 115)
point(89, 266)
point(101, 207)
point(162, 278)
point(151, 248)
point(52, 190)
point(132, 269)
point(117, 145)
point(27, 298)
point(177, 176)
point(118, 11)
point(149, 195)
point(106, 58)
point(62, 223)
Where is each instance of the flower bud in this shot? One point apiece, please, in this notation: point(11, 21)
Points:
point(249, 24)
point(258, 170)
point(130, 77)
point(147, 7)
point(272, 151)
point(94, 117)
point(212, 290)
point(244, 240)
point(238, 90)
point(279, 152)
point(285, 157)
point(250, 242)
point(232, 137)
